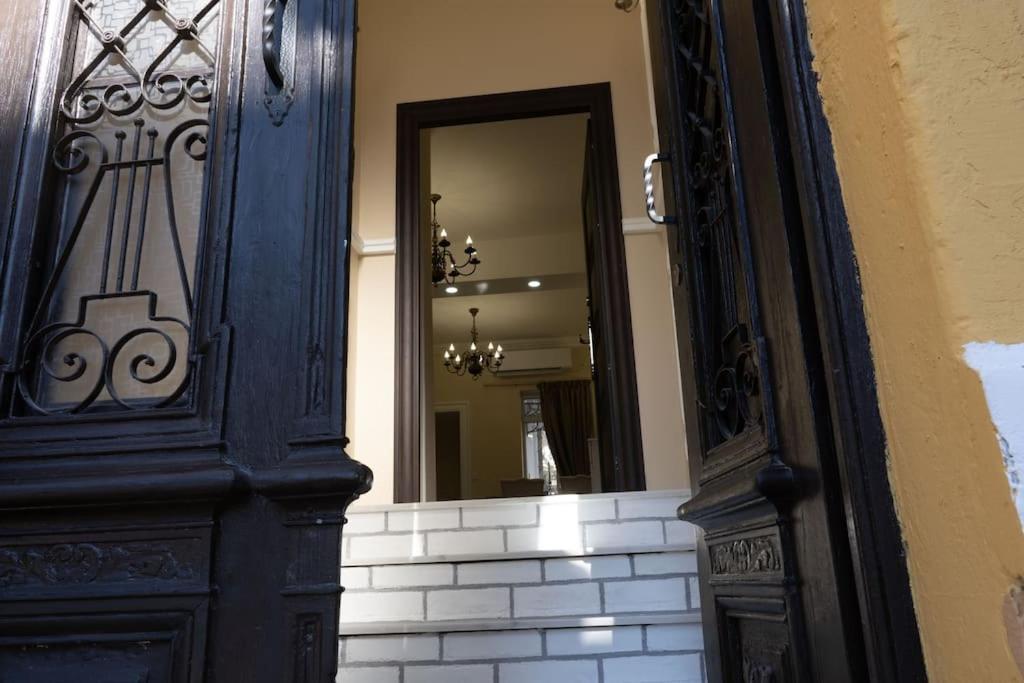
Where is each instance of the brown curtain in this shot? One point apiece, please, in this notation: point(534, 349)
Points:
point(565, 408)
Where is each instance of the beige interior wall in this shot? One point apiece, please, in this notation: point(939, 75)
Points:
point(413, 50)
point(495, 419)
point(925, 101)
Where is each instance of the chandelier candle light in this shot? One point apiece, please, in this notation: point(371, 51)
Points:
point(473, 360)
point(443, 267)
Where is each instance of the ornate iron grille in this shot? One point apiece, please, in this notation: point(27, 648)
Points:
point(727, 359)
point(112, 324)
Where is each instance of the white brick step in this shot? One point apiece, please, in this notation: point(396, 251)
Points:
point(617, 654)
point(553, 526)
point(569, 588)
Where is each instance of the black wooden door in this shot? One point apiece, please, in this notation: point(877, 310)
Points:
point(174, 246)
point(780, 581)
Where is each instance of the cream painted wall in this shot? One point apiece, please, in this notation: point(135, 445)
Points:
point(925, 101)
point(411, 50)
point(495, 420)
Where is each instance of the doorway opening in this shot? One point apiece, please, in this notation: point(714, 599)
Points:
point(511, 289)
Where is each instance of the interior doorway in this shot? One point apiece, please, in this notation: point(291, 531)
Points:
point(511, 287)
point(452, 450)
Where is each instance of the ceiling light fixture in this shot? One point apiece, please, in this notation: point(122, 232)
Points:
point(473, 360)
point(451, 289)
point(533, 283)
point(443, 267)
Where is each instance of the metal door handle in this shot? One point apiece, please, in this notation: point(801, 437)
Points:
point(279, 36)
point(271, 56)
point(652, 212)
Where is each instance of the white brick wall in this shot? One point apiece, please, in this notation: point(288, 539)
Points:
point(422, 520)
point(459, 673)
point(413, 575)
point(625, 534)
point(358, 607)
point(586, 568)
point(591, 641)
point(558, 600)
point(566, 589)
point(663, 669)
point(549, 671)
point(413, 648)
point(597, 524)
point(456, 543)
point(645, 595)
point(493, 644)
point(507, 572)
point(471, 603)
point(666, 637)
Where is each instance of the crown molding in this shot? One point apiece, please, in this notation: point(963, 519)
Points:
point(375, 247)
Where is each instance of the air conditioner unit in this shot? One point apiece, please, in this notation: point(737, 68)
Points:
point(535, 361)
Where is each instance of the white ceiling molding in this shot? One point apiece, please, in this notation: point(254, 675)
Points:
point(639, 226)
point(377, 247)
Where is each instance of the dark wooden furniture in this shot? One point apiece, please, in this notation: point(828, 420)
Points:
point(521, 488)
point(615, 377)
point(188, 534)
point(803, 577)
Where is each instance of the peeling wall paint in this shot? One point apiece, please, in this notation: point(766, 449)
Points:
point(1001, 368)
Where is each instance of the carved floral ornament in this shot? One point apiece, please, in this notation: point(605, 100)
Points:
point(747, 556)
point(81, 563)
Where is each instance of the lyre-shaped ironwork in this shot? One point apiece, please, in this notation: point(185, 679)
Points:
point(101, 334)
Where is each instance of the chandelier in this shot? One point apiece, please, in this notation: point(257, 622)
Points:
point(473, 360)
point(443, 267)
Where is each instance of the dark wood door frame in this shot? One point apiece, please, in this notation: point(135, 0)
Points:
point(411, 277)
point(842, 364)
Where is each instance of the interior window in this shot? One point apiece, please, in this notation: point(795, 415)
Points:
point(538, 462)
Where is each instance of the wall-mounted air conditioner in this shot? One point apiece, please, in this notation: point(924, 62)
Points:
point(535, 361)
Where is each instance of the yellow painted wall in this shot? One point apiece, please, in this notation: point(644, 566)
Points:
point(925, 100)
point(495, 419)
point(412, 50)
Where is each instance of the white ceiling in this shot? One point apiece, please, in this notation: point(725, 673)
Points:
point(514, 186)
point(509, 178)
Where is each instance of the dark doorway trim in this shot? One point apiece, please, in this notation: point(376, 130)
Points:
point(411, 277)
point(888, 618)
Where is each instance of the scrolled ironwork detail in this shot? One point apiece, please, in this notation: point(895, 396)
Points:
point(112, 324)
point(746, 556)
point(728, 367)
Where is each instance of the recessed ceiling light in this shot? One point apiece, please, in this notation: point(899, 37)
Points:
point(534, 283)
point(452, 290)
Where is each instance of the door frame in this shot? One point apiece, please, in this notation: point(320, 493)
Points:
point(857, 440)
point(411, 275)
point(465, 447)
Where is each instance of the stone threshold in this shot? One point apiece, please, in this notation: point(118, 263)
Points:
point(561, 499)
point(458, 626)
point(523, 555)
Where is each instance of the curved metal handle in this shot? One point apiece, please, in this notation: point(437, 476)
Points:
point(652, 212)
point(271, 56)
